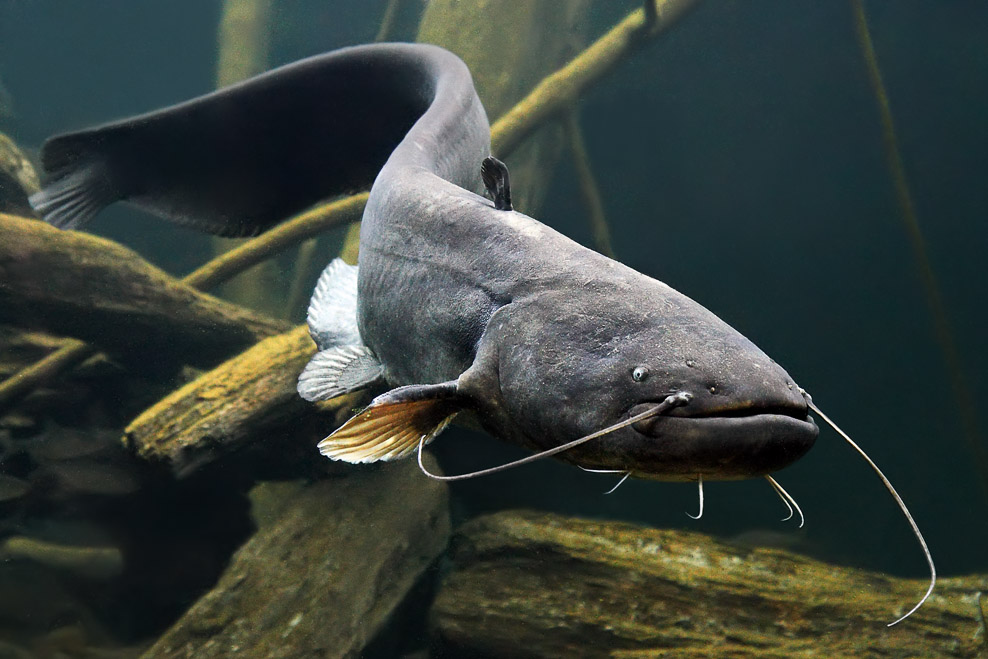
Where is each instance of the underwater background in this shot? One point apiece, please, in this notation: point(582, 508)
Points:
point(741, 159)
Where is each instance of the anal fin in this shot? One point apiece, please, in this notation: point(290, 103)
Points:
point(337, 371)
point(394, 424)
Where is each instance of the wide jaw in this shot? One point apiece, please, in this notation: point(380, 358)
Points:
point(725, 444)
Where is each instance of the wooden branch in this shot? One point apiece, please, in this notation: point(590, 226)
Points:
point(541, 585)
point(302, 227)
point(75, 284)
point(508, 52)
point(20, 348)
point(231, 406)
point(216, 271)
point(218, 410)
point(593, 202)
point(970, 415)
point(558, 91)
point(326, 576)
point(43, 371)
point(386, 31)
point(18, 179)
point(243, 41)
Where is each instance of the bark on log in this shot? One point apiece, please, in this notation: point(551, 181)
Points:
point(79, 285)
point(249, 398)
point(327, 577)
point(527, 584)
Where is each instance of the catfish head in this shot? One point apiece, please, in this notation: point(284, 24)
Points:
point(572, 362)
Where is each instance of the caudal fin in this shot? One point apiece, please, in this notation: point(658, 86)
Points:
point(241, 159)
point(74, 196)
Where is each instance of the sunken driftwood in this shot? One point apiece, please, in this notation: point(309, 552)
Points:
point(250, 398)
point(18, 179)
point(527, 584)
point(76, 284)
point(20, 348)
point(326, 576)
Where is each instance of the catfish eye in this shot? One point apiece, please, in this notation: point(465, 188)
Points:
point(639, 374)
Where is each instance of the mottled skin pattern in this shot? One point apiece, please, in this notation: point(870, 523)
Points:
point(544, 337)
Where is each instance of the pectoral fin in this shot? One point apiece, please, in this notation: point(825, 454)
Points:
point(332, 313)
point(392, 426)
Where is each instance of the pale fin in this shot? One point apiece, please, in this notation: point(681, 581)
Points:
point(395, 423)
point(337, 371)
point(76, 194)
point(332, 313)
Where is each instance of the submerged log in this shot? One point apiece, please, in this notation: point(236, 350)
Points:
point(527, 584)
point(249, 398)
point(21, 348)
point(18, 179)
point(326, 576)
point(79, 285)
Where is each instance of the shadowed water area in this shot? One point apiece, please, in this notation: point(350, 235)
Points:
point(740, 156)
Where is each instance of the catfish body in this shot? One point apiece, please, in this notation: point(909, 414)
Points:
point(460, 304)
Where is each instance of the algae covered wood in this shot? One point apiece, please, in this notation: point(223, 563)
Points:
point(249, 398)
point(75, 284)
point(325, 577)
point(18, 179)
point(526, 584)
point(20, 348)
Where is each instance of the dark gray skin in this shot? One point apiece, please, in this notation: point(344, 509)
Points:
point(545, 340)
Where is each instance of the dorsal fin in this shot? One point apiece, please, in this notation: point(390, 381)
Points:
point(495, 175)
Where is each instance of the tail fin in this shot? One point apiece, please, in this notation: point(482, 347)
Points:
point(74, 195)
point(239, 160)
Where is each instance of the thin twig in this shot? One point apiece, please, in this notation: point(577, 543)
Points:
point(592, 200)
point(243, 43)
point(651, 12)
point(301, 227)
point(557, 91)
point(388, 21)
point(43, 371)
point(934, 298)
point(302, 276)
point(303, 267)
point(351, 244)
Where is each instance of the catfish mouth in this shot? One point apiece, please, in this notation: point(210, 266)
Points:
point(722, 443)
